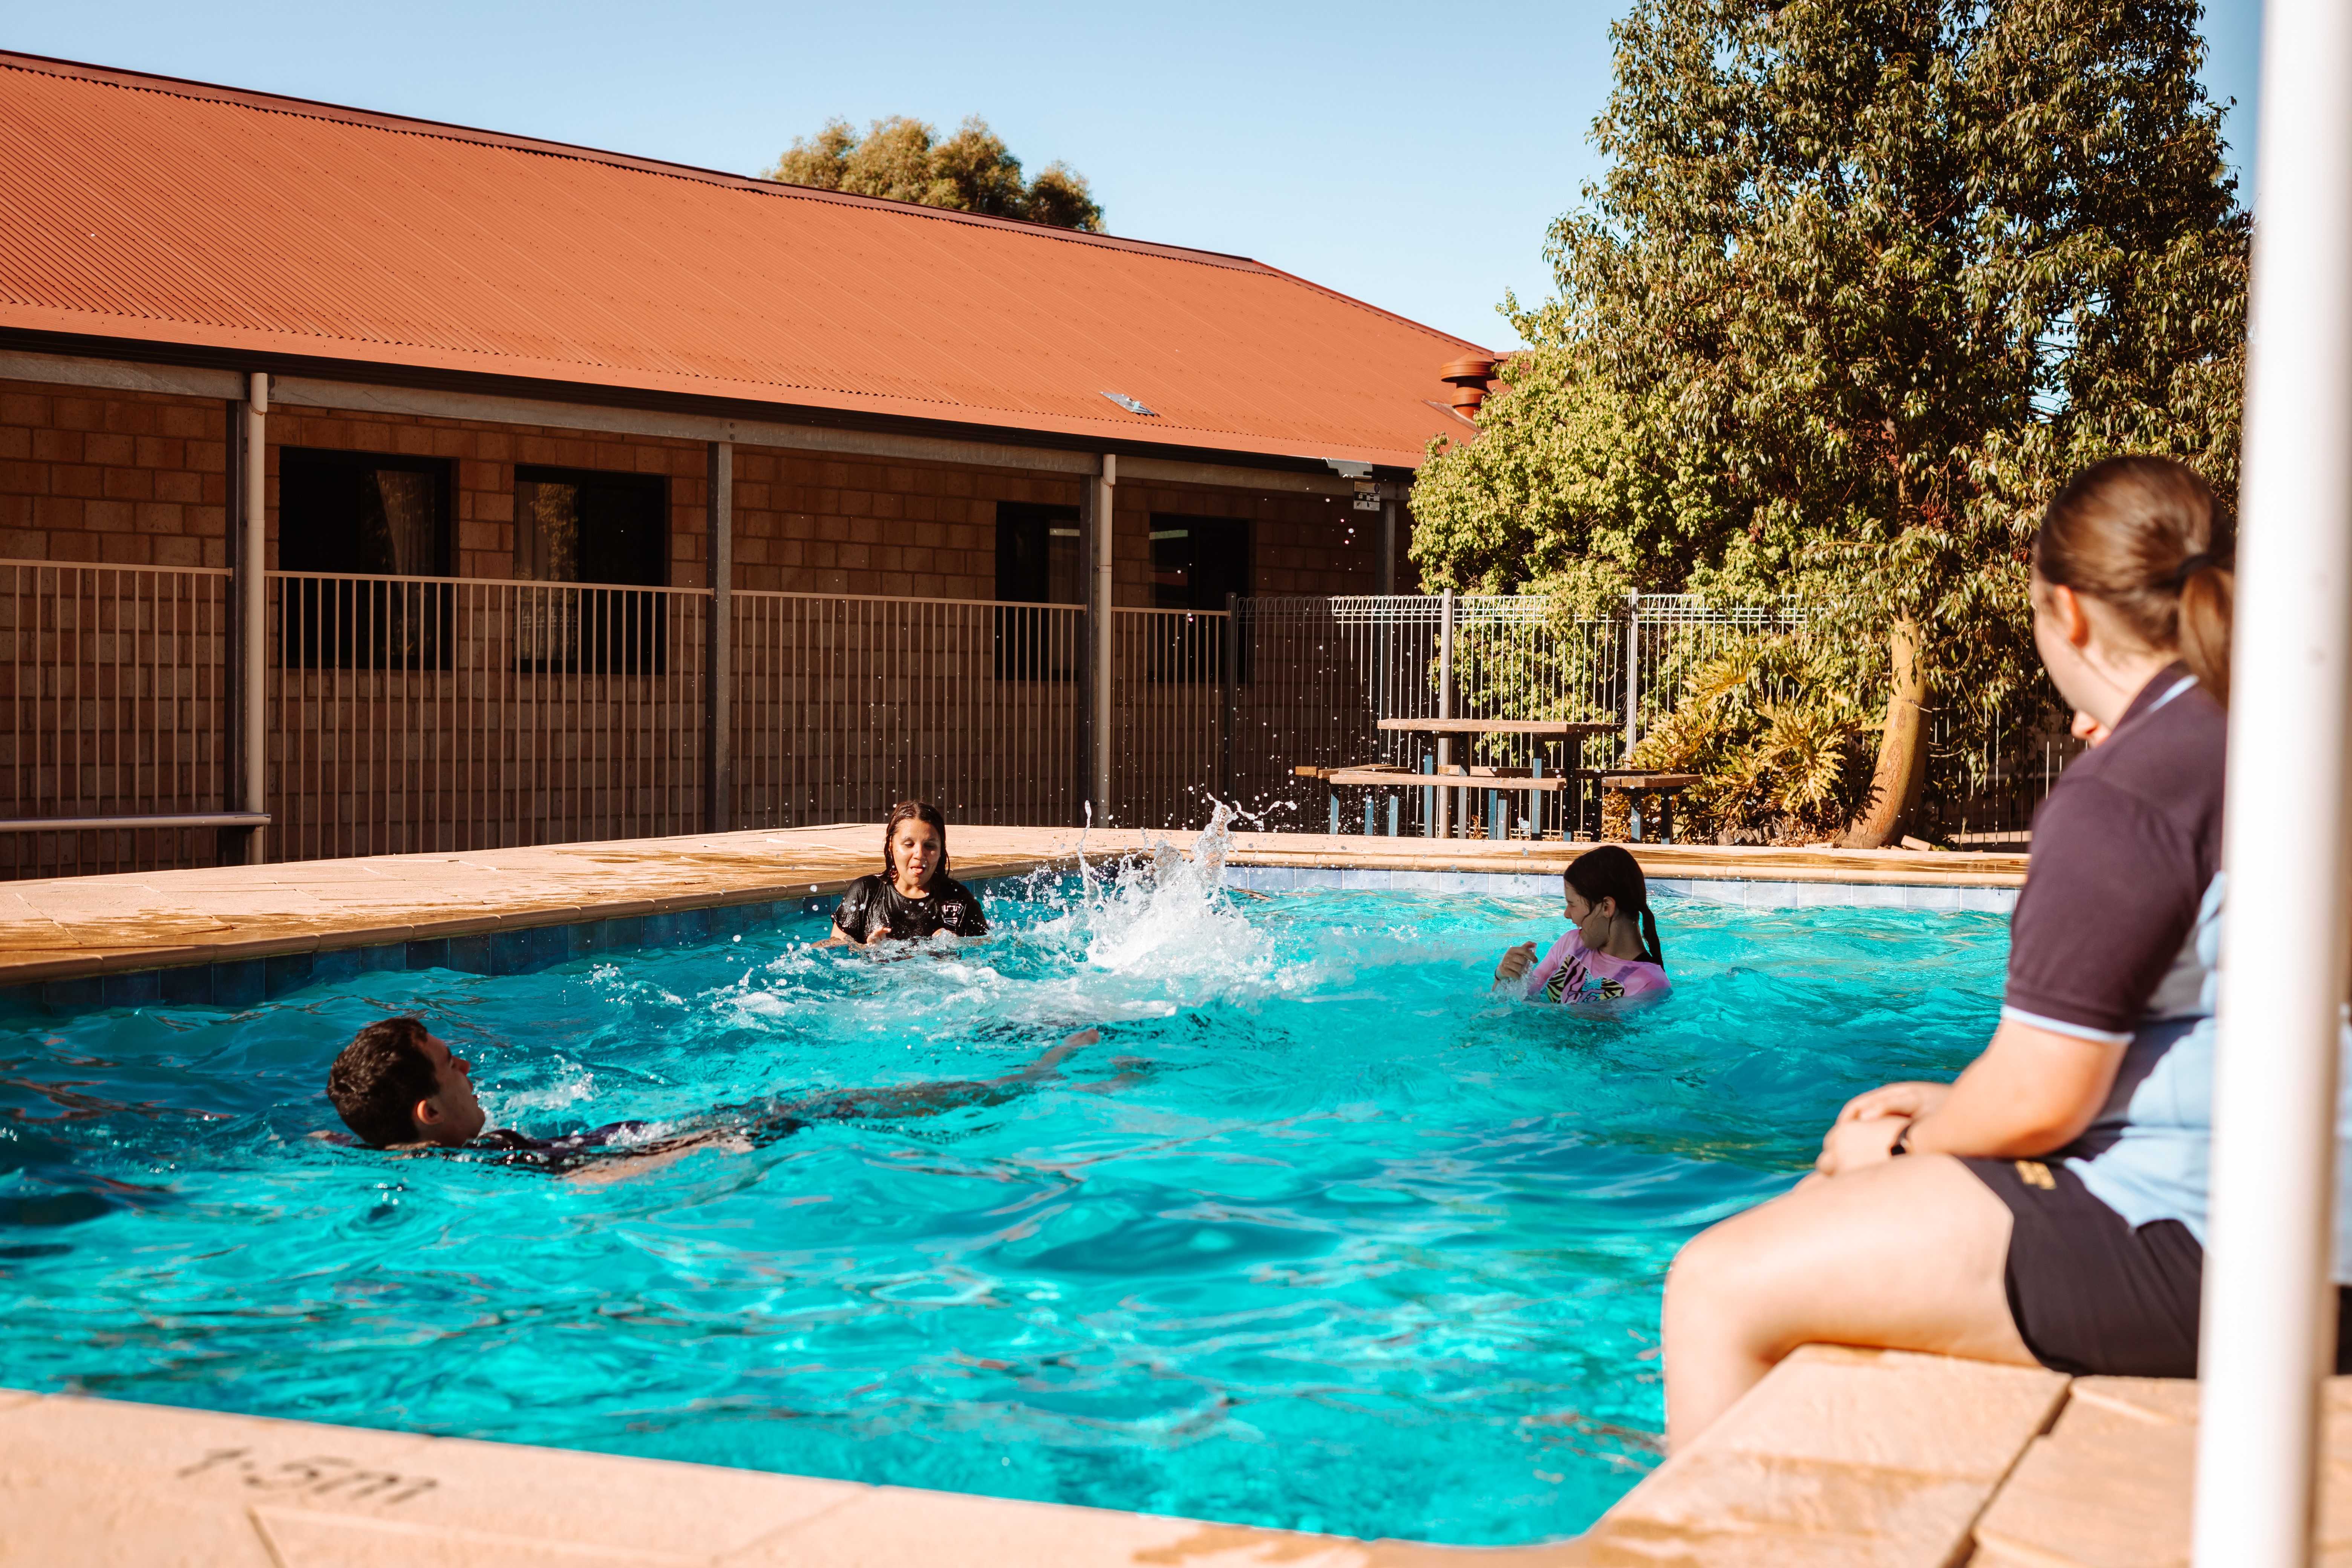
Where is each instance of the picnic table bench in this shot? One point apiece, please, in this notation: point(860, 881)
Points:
point(1535, 784)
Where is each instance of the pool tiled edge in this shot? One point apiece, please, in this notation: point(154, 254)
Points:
point(238, 936)
point(1749, 894)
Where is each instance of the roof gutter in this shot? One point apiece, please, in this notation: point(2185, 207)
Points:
point(320, 382)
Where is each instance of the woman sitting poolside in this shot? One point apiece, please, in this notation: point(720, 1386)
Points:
point(2048, 1207)
point(1611, 947)
point(914, 898)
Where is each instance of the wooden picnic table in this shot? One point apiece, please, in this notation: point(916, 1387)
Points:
point(1665, 787)
point(1541, 729)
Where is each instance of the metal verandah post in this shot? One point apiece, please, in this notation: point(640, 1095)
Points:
point(1102, 503)
point(250, 711)
point(2269, 1321)
point(719, 657)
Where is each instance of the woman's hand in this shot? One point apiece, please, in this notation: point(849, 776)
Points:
point(1908, 1100)
point(1516, 962)
point(1855, 1143)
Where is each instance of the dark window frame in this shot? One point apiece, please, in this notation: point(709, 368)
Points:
point(653, 487)
point(339, 617)
point(1026, 648)
point(1186, 655)
point(615, 627)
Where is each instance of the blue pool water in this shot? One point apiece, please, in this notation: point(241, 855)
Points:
point(1321, 1235)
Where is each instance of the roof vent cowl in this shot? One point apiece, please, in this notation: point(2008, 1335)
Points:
point(1470, 376)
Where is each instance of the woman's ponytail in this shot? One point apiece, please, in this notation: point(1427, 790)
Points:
point(2209, 593)
point(1650, 937)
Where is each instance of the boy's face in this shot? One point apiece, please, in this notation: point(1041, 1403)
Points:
point(452, 1116)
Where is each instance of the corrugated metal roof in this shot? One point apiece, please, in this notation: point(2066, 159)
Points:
point(152, 209)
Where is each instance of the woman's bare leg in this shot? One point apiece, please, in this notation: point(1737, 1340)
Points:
point(1907, 1254)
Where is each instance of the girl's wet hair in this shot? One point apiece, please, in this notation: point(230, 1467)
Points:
point(919, 811)
point(1611, 872)
point(2143, 536)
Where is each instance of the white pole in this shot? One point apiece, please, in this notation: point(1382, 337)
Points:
point(2269, 1325)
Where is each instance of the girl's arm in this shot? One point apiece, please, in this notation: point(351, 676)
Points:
point(2033, 1092)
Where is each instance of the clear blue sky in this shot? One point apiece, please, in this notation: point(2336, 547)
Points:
point(1410, 155)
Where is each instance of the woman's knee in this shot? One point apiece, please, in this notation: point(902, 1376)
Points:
point(1718, 1268)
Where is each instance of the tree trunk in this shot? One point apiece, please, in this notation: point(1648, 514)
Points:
point(1902, 775)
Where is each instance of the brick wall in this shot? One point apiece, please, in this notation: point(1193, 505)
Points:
point(812, 524)
point(121, 477)
point(140, 478)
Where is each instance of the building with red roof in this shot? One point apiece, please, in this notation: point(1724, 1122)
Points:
point(259, 337)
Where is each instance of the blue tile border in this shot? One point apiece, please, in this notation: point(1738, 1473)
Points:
point(1942, 897)
point(525, 949)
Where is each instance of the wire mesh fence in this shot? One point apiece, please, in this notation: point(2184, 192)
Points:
point(1315, 677)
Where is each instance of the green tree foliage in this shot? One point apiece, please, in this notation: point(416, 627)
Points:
point(903, 160)
point(1863, 283)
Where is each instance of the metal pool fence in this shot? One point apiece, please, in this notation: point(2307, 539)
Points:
point(409, 714)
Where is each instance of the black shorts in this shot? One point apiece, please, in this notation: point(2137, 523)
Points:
point(2094, 1295)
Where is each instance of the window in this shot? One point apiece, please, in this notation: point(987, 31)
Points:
point(576, 525)
point(365, 514)
point(605, 531)
point(1037, 562)
point(1195, 563)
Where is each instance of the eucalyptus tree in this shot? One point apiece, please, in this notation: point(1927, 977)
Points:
point(903, 159)
point(1873, 275)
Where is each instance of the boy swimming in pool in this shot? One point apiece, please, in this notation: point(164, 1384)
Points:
point(1611, 949)
point(398, 1086)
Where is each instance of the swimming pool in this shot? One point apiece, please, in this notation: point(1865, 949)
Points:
point(1319, 1235)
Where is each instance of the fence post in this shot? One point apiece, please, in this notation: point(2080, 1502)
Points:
point(1441, 822)
point(252, 593)
point(1230, 666)
point(1633, 670)
point(718, 659)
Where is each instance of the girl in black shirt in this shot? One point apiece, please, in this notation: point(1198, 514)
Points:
point(914, 898)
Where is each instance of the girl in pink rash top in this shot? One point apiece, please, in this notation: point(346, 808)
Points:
point(1611, 949)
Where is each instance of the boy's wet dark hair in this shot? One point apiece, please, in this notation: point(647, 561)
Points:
point(1611, 872)
point(379, 1078)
